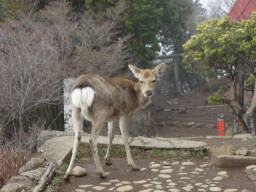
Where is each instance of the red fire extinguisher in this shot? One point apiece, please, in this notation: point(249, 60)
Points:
point(220, 120)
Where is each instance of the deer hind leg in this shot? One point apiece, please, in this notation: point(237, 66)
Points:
point(252, 119)
point(110, 139)
point(124, 131)
point(97, 125)
point(77, 124)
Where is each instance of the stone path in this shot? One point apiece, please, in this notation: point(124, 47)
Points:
point(169, 176)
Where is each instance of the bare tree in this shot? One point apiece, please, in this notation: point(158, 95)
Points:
point(219, 8)
point(37, 52)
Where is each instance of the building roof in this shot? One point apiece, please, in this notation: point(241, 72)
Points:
point(242, 9)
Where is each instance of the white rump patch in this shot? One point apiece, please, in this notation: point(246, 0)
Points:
point(82, 98)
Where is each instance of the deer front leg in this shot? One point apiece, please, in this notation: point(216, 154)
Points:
point(123, 123)
point(110, 139)
point(96, 128)
point(77, 123)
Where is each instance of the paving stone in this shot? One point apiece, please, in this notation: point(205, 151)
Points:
point(159, 191)
point(99, 188)
point(204, 165)
point(154, 166)
point(84, 186)
point(201, 190)
point(140, 182)
point(199, 169)
point(188, 163)
point(176, 163)
point(166, 163)
point(222, 174)
point(172, 184)
point(188, 188)
point(158, 187)
point(164, 176)
point(79, 190)
point(218, 178)
point(215, 189)
point(185, 178)
point(111, 189)
point(156, 182)
point(125, 182)
point(155, 170)
point(114, 181)
point(124, 188)
point(251, 167)
point(146, 190)
point(174, 190)
point(105, 183)
point(198, 184)
point(230, 190)
point(166, 171)
point(147, 185)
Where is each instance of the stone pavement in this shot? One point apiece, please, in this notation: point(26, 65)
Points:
point(169, 176)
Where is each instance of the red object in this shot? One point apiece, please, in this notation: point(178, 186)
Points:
point(221, 128)
point(242, 10)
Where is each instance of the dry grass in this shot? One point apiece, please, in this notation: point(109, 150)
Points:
point(11, 159)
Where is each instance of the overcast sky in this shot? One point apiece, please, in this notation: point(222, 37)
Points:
point(204, 2)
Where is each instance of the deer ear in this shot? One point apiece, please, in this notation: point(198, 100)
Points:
point(160, 69)
point(135, 70)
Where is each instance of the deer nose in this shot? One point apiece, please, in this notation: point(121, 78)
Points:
point(148, 93)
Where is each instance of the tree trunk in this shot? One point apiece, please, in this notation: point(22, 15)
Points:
point(251, 111)
point(237, 100)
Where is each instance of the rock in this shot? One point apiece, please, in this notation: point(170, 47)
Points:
point(79, 171)
point(174, 190)
point(166, 171)
point(18, 183)
point(140, 182)
point(34, 174)
point(114, 181)
point(215, 189)
point(222, 174)
point(243, 136)
point(146, 190)
point(234, 161)
point(154, 166)
point(85, 186)
point(243, 151)
point(188, 188)
point(176, 163)
point(218, 178)
point(251, 167)
point(231, 190)
point(32, 164)
point(187, 163)
point(79, 190)
point(58, 149)
point(99, 188)
point(199, 170)
point(124, 188)
point(222, 150)
point(164, 176)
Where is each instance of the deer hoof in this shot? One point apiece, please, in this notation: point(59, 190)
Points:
point(67, 178)
point(108, 162)
point(103, 175)
point(135, 169)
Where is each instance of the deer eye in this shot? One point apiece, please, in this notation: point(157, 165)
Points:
point(153, 81)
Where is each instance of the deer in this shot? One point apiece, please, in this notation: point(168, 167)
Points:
point(99, 100)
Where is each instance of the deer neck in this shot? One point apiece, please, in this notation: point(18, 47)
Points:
point(142, 100)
